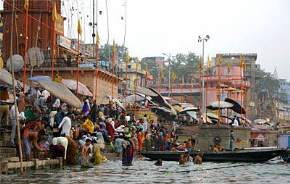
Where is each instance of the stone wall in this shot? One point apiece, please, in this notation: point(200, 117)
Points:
point(206, 136)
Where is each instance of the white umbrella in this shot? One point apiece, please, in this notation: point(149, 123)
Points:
point(72, 85)
point(220, 105)
point(133, 98)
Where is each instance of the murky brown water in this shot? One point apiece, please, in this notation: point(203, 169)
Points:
point(170, 172)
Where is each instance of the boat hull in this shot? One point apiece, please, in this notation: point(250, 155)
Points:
point(228, 156)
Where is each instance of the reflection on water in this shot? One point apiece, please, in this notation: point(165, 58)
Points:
point(170, 172)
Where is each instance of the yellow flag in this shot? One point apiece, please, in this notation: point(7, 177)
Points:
point(208, 62)
point(26, 4)
point(242, 62)
point(97, 39)
point(229, 67)
point(161, 73)
point(173, 76)
point(1, 62)
point(80, 30)
point(54, 13)
point(219, 60)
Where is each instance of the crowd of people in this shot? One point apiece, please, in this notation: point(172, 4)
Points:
point(52, 128)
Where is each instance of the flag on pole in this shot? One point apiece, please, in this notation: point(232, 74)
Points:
point(242, 62)
point(97, 38)
point(208, 62)
point(173, 76)
point(26, 4)
point(79, 29)
point(54, 13)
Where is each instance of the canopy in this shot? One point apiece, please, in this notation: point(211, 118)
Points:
point(220, 105)
point(60, 91)
point(236, 106)
point(72, 85)
point(133, 98)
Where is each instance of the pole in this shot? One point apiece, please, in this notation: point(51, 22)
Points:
point(53, 47)
point(78, 62)
point(169, 79)
point(203, 83)
point(97, 56)
point(13, 83)
point(25, 49)
point(93, 35)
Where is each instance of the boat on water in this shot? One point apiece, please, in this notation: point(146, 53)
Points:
point(262, 155)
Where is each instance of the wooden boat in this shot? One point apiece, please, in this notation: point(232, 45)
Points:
point(227, 156)
point(286, 156)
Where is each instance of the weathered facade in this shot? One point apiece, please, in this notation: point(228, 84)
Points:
point(106, 85)
point(40, 26)
point(207, 134)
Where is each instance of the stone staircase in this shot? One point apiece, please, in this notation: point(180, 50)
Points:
point(6, 151)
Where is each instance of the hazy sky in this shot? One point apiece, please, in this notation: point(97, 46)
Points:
point(172, 26)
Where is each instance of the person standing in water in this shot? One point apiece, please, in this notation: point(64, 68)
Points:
point(128, 151)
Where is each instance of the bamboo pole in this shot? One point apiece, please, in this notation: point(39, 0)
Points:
point(53, 46)
point(14, 91)
point(26, 46)
point(78, 62)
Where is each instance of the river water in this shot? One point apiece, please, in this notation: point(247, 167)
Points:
point(146, 172)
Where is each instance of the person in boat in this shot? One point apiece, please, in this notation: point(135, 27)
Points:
point(198, 158)
point(232, 139)
point(158, 162)
point(128, 151)
point(147, 142)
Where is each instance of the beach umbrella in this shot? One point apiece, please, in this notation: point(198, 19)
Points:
point(236, 106)
point(39, 78)
point(188, 109)
point(163, 112)
point(220, 105)
point(6, 78)
point(260, 121)
point(133, 98)
point(212, 115)
point(145, 91)
point(60, 91)
point(192, 114)
point(72, 85)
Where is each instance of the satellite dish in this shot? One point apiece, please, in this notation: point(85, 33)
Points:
point(17, 62)
point(35, 56)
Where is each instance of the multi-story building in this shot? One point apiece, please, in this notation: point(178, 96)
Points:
point(43, 27)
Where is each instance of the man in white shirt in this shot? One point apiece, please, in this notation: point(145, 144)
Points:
point(65, 125)
point(13, 114)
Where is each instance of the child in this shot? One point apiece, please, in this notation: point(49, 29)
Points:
point(85, 153)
